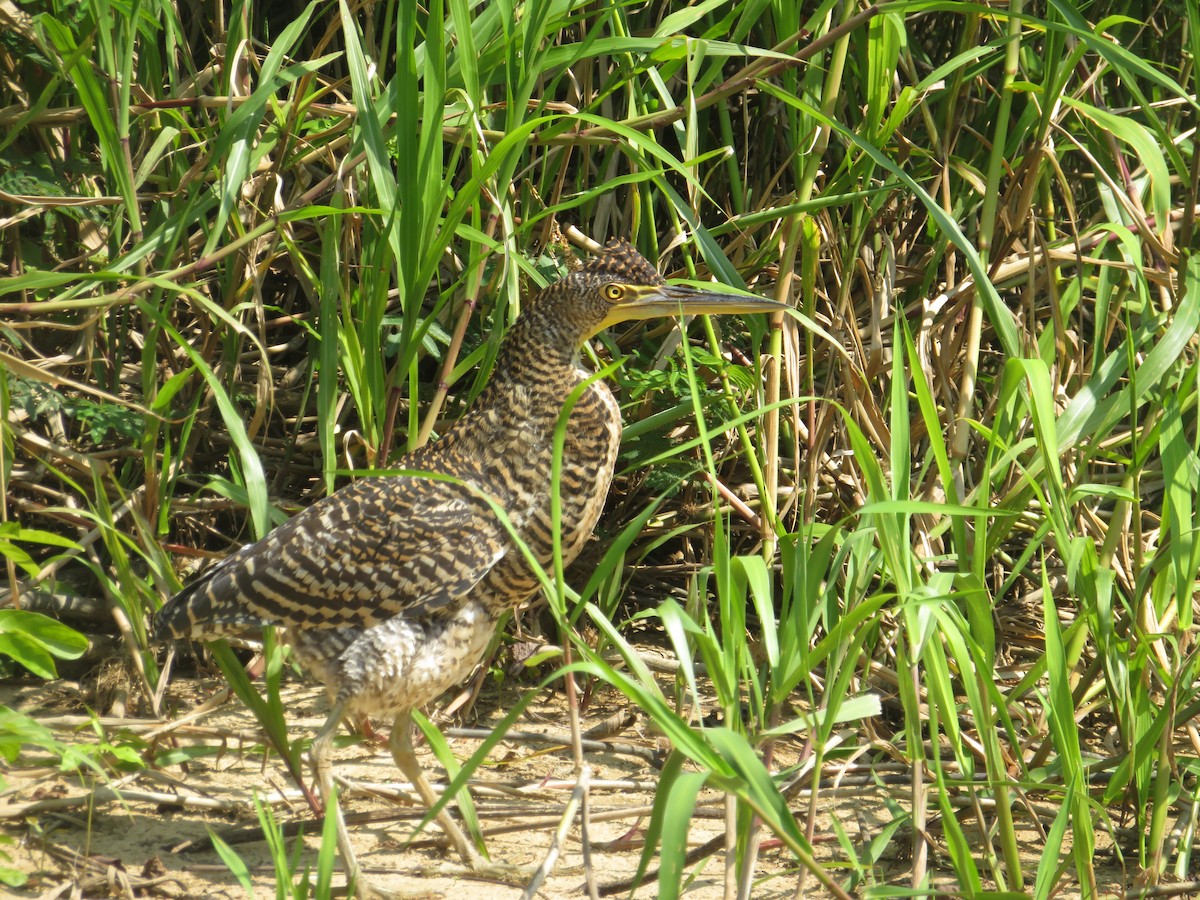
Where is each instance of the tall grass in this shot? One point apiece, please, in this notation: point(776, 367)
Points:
point(944, 515)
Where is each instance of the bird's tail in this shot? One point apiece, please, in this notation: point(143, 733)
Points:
point(204, 610)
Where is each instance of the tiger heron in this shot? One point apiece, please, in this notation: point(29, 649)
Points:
point(391, 588)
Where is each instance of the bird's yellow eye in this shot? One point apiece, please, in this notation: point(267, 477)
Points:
point(613, 292)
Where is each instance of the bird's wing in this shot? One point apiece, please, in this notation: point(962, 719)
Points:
point(378, 548)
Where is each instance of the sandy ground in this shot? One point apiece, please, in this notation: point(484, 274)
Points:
point(81, 836)
point(76, 838)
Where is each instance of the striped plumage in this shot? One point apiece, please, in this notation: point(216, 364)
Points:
point(389, 589)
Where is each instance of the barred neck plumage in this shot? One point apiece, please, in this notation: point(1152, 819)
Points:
point(540, 353)
point(553, 326)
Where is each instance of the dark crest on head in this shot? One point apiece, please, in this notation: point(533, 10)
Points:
point(619, 262)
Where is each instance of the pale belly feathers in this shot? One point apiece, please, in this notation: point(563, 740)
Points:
point(398, 664)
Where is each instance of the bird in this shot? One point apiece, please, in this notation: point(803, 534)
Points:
point(390, 589)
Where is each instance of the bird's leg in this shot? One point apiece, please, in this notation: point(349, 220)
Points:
point(476, 862)
point(406, 759)
point(321, 753)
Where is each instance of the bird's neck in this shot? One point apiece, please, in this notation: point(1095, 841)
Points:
point(532, 380)
point(538, 350)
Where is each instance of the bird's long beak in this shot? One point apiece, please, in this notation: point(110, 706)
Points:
point(649, 302)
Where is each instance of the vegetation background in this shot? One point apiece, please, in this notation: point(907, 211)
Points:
point(944, 518)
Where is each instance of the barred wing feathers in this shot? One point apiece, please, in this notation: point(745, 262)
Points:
point(378, 548)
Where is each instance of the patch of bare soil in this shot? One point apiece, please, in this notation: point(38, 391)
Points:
point(130, 836)
point(146, 833)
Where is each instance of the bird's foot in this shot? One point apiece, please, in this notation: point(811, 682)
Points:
point(366, 890)
point(483, 869)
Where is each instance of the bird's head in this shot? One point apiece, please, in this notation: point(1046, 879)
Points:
point(619, 284)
